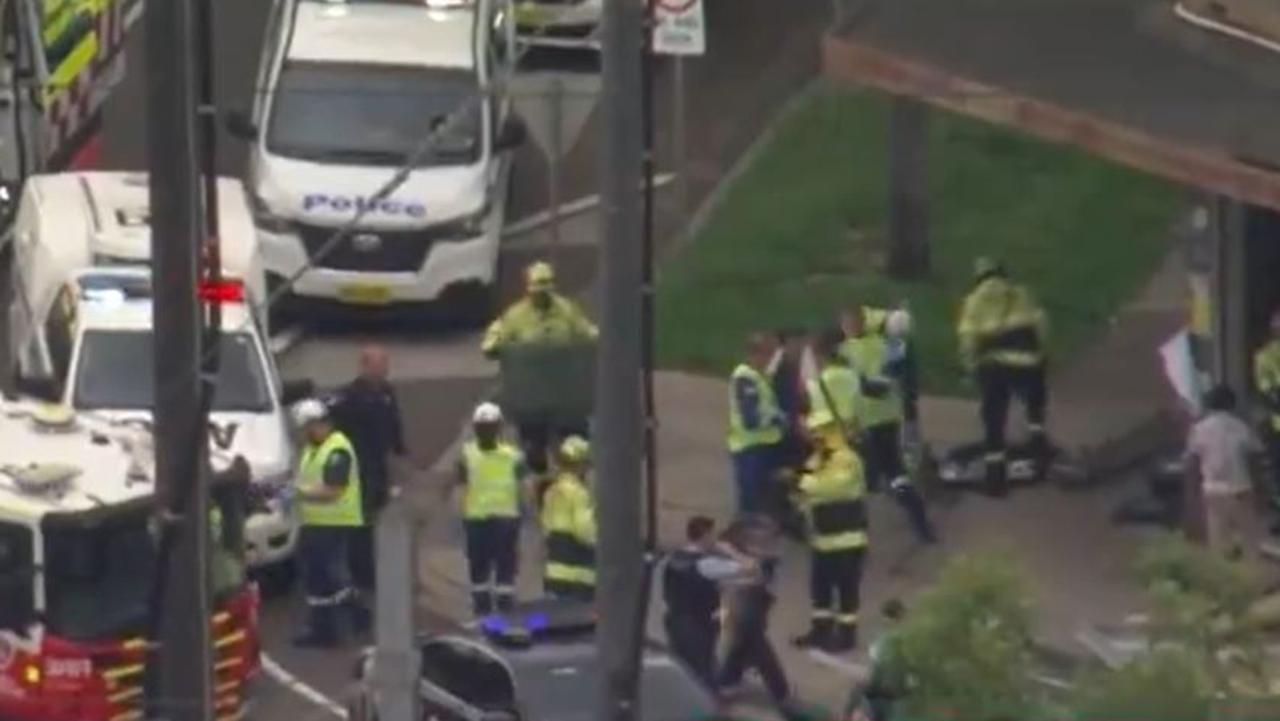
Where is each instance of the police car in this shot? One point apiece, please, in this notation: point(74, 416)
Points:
point(77, 566)
point(69, 221)
point(348, 91)
point(91, 348)
point(538, 663)
point(569, 24)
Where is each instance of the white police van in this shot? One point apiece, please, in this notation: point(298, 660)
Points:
point(347, 92)
point(91, 348)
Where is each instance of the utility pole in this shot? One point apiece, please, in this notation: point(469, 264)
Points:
point(620, 412)
point(180, 672)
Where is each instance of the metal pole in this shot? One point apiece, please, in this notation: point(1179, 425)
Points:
point(208, 114)
point(646, 308)
point(180, 675)
point(678, 139)
point(556, 98)
point(619, 453)
point(397, 662)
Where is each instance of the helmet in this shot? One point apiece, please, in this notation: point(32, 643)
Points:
point(309, 411)
point(897, 324)
point(820, 419)
point(539, 276)
point(575, 449)
point(985, 266)
point(487, 413)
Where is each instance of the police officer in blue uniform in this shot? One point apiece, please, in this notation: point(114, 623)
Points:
point(691, 588)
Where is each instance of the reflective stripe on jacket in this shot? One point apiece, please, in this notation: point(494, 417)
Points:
point(346, 509)
point(569, 523)
point(493, 482)
point(832, 494)
point(1002, 323)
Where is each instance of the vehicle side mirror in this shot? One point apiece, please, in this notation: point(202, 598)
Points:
point(297, 390)
point(41, 388)
point(512, 134)
point(240, 125)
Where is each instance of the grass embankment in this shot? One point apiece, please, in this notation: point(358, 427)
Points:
point(802, 232)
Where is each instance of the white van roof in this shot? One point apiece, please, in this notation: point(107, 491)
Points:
point(104, 218)
point(382, 33)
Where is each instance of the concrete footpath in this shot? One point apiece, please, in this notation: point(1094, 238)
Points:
point(1077, 561)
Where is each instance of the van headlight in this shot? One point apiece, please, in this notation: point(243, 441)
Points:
point(264, 219)
point(468, 226)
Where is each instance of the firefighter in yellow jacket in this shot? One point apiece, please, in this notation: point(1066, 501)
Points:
point(1003, 333)
point(569, 525)
point(1266, 377)
point(541, 317)
point(832, 493)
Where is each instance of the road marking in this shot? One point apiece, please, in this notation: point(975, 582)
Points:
point(1232, 30)
point(852, 669)
point(293, 683)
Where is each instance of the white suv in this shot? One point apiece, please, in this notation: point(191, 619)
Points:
point(348, 90)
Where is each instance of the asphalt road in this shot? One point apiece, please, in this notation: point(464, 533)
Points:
point(760, 52)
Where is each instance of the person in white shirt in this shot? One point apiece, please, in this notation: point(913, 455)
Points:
point(1220, 446)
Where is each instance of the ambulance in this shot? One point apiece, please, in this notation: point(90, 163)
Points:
point(349, 91)
point(89, 345)
point(77, 564)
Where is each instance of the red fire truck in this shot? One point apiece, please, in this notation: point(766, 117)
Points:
point(77, 565)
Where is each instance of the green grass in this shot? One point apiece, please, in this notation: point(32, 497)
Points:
point(801, 235)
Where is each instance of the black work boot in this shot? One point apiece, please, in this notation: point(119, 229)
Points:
point(819, 635)
point(1041, 454)
point(846, 638)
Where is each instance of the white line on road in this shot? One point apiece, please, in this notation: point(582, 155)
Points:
point(293, 683)
point(533, 222)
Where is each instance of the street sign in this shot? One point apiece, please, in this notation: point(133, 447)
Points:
point(679, 27)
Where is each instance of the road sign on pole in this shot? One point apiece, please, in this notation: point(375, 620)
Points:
point(680, 27)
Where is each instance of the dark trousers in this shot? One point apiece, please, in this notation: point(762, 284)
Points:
point(361, 546)
point(835, 584)
point(693, 640)
point(999, 385)
point(491, 558)
point(750, 648)
point(538, 437)
point(753, 477)
point(322, 554)
point(882, 452)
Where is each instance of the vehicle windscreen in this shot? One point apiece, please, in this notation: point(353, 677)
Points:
point(116, 372)
point(99, 574)
point(373, 114)
point(553, 691)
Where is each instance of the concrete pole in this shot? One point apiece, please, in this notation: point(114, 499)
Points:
point(556, 150)
point(397, 662)
point(181, 673)
point(908, 188)
point(619, 411)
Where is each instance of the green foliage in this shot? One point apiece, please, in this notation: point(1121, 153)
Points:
point(1166, 684)
point(801, 235)
point(965, 645)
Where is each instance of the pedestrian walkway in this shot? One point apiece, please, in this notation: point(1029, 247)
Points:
point(1077, 561)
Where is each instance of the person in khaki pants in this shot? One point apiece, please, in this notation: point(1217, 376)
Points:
point(1220, 446)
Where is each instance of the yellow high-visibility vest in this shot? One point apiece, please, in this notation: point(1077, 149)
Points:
point(493, 483)
point(346, 510)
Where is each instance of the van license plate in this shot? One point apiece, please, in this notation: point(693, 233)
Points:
point(365, 294)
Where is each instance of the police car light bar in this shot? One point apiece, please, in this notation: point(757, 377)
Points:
point(223, 292)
